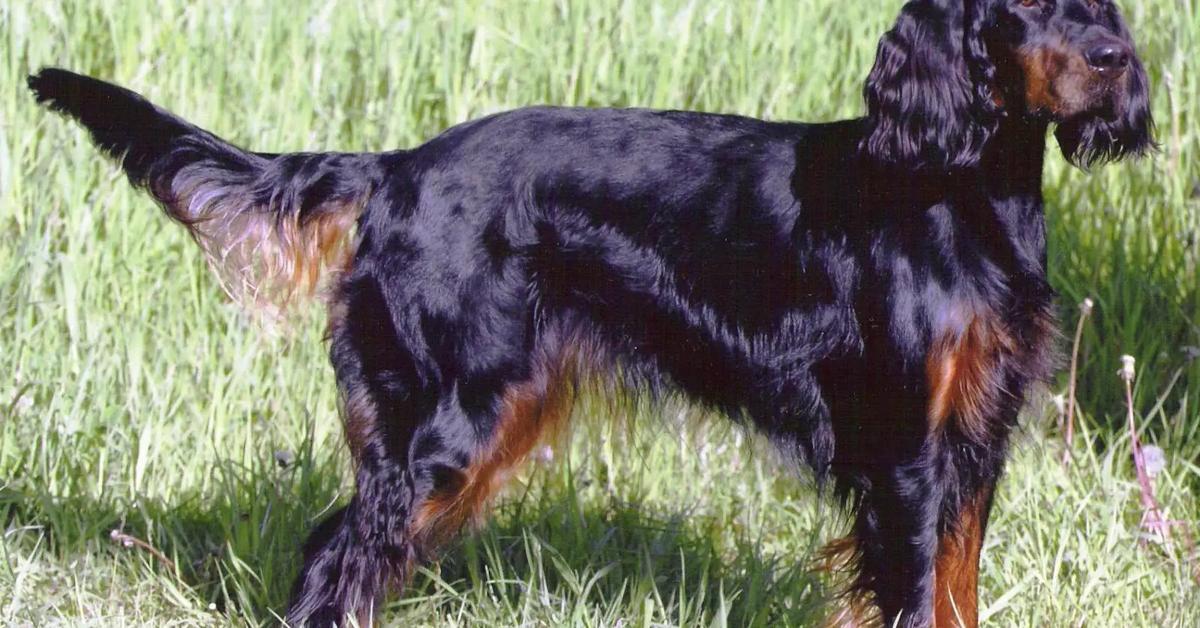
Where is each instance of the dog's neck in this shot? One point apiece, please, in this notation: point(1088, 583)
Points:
point(1013, 160)
point(1010, 175)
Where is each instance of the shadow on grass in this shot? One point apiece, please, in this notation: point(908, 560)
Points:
point(237, 546)
point(587, 562)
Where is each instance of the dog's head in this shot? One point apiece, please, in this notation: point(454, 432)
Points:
point(950, 69)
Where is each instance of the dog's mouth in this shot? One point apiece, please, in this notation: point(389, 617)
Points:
point(1106, 111)
point(1106, 98)
point(1096, 130)
point(1081, 101)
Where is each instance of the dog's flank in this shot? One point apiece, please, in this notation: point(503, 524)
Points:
point(269, 224)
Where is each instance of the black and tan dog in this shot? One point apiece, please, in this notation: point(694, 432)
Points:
point(870, 294)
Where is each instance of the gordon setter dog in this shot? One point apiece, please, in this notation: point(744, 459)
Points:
point(870, 294)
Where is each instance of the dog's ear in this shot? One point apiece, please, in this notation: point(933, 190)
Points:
point(1095, 140)
point(928, 95)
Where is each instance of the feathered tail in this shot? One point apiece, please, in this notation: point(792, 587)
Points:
point(270, 224)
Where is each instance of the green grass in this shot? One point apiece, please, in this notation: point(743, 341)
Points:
point(135, 397)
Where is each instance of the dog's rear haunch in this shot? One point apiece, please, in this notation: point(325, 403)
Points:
point(870, 294)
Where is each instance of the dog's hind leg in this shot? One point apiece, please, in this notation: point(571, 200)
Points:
point(352, 557)
point(433, 435)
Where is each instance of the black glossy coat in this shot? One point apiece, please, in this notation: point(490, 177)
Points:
point(871, 294)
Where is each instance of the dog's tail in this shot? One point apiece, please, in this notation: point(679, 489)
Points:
point(270, 224)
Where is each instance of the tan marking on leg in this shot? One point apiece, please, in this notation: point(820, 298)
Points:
point(956, 569)
point(531, 413)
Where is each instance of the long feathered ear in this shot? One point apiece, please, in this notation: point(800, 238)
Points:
point(1096, 140)
point(928, 95)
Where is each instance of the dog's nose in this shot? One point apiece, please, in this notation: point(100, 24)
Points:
point(1109, 59)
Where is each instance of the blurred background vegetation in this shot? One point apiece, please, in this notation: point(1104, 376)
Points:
point(138, 399)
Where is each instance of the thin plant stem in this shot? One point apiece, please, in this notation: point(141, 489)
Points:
point(128, 540)
point(1085, 309)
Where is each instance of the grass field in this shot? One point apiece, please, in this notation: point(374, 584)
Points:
point(135, 397)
